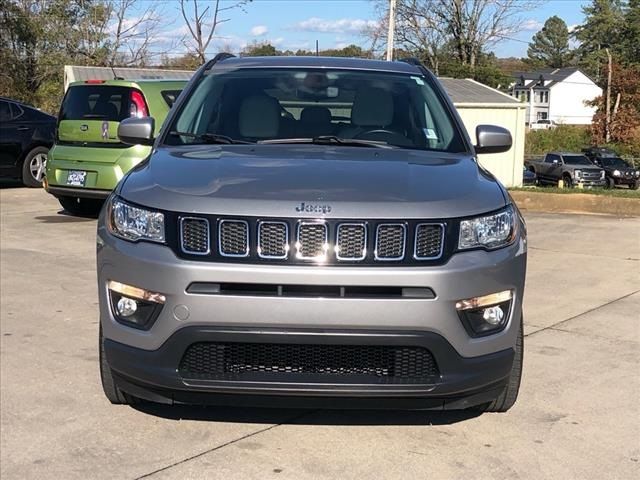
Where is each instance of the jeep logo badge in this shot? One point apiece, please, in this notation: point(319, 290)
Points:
point(311, 208)
point(84, 128)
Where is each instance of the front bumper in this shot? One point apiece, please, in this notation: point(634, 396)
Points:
point(625, 180)
point(463, 382)
point(590, 183)
point(471, 370)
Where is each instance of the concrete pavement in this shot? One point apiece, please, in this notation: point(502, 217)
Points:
point(578, 415)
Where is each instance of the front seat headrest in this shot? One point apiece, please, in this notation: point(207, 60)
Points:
point(315, 115)
point(259, 117)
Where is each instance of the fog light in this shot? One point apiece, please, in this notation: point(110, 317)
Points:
point(485, 315)
point(133, 306)
point(493, 315)
point(127, 306)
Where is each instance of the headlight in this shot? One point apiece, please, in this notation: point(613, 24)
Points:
point(577, 173)
point(637, 173)
point(616, 173)
point(602, 172)
point(491, 231)
point(134, 223)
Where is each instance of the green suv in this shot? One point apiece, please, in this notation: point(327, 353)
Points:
point(88, 160)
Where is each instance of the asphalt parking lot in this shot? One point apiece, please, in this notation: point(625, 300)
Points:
point(578, 414)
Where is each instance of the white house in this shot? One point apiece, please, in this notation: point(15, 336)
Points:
point(557, 94)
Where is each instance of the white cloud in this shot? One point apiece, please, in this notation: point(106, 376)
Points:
point(259, 30)
point(343, 25)
point(531, 25)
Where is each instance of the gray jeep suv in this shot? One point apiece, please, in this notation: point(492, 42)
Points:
point(308, 229)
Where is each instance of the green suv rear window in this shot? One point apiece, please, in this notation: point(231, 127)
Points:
point(96, 102)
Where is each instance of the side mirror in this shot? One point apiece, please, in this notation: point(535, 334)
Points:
point(556, 161)
point(492, 139)
point(137, 131)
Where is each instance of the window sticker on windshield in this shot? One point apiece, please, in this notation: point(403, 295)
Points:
point(418, 80)
point(430, 134)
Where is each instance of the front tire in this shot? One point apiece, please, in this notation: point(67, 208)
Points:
point(509, 394)
point(84, 207)
point(610, 183)
point(109, 386)
point(567, 181)
point(636, 185)
point(33, 167)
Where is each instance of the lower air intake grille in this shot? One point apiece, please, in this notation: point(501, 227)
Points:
point(428, 241)
point(234, 238)
point(229, 361)
point(194, 235)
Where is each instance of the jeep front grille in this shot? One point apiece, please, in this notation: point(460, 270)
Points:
point(273, 240)
point(351, 243)
point(233, 238)
point(390, 241)
point(194, 235)
point(326, 241)
point(428, 242)
point(308, 363)
point(312, 241)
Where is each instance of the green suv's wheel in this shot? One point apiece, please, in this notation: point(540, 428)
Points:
point(509, 394)
point(636, 185)
point(81, 206)
point(111, 390)
point(33, 167)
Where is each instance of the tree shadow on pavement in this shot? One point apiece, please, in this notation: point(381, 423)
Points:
point(349, 417)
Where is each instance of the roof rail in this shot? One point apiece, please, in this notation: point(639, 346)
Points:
point(411, 61)
point(218, 58)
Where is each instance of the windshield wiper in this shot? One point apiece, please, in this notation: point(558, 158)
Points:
point(329, 140)
point(209, 137)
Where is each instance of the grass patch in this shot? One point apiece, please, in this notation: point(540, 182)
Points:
point(614, 192)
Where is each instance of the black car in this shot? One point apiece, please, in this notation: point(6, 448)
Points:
point(26, 135)
point(529, 178)
point(617, 170)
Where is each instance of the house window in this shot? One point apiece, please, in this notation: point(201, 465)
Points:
point(528, 95)
point(545, 98)
point(542, 115)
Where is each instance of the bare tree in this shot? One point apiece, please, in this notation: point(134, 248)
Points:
point(426, 27)
point(418, 31)
point(133, 36)
point(205, 19)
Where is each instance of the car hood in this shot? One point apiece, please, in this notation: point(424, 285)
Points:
point(340, 182)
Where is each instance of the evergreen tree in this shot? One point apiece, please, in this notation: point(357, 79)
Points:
point(603, 27)
point(550, 46)
point(630, 38)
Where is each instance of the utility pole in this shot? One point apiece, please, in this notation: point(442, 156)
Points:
point(607, 125)
point(392, 27)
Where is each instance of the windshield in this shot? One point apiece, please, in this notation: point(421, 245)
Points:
point(613, 162)
point(257, 105)
point(576, 160)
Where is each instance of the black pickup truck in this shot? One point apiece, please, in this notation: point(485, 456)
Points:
point(617, 171)
point(572, 168)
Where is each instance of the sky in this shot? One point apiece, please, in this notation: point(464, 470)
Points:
point(297, 24)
